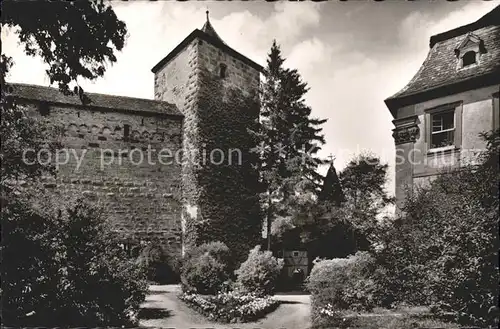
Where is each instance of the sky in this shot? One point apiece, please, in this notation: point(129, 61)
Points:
point(352, 54)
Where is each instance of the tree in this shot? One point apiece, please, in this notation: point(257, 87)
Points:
point(62, 266)
point(76, 41)
point(59, 265)
point(288, 137)
point(444, 250)
point(331, 191)
point(363, 182)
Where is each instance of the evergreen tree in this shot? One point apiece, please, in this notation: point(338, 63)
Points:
point(288, 138)
point(331, 191)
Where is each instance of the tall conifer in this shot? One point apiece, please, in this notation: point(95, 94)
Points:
point(288, 137)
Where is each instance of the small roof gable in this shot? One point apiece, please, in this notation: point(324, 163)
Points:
point(440, 69)
point(470, 39)
point(100, 101)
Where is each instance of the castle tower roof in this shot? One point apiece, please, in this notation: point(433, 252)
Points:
point(209, 29)
point(208, 34)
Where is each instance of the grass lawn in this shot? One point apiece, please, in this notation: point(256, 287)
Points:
point(403, 317)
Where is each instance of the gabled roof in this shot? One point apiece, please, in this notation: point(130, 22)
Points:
point(208, 34)
point(96, 101)
point(439, 74)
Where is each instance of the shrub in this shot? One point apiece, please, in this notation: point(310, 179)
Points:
point(444, 251)
point(341, 283)
point(61, 266)
point(205, 268)
point(231, 307)
point(258, 274)
point(160, 266)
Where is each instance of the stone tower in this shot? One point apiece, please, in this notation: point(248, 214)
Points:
point(215, 88)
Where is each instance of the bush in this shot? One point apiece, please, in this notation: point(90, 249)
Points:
point(205, 268)
point(160, 266)
point(444, 251)
point(231, 307)
point(341, 284)
point(258, 274)
point(61, 266)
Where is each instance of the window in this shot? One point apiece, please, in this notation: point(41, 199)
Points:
point(469, 51)
point(222, 71)
point(496, 111)
point(443, 129)
point(469, 58)
point(44, 109)
point(295, 254)
point(126, 132)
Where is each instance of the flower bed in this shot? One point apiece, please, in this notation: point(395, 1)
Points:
point(230, 307)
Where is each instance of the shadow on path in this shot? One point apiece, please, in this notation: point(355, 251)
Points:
point(149, 313)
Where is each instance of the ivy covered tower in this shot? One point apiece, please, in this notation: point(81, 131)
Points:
point(215, 87)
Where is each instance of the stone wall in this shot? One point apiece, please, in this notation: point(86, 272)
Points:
point(141, 198)
point(216, 115)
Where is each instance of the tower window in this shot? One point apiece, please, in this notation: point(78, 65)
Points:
point(44, 109)
point(469, 58)
point(126, 132)
point(222, 71)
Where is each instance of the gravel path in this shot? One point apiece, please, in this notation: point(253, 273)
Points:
point(163, 309)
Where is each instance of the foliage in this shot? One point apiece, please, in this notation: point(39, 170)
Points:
point(258, 274)
point(226, 193)
point(331, 192)
point(205, 268)
point(363, 182)
point(76, 40)
point(444, 250)
point(288, 138)
point(61, 266)
point(231, 307)
point(343, 283)
point(341, 219)
point(160, 266)
point(19, 132)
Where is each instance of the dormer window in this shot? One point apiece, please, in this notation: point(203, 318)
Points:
point(469, 51)
point(222, 71)
point(469, 58)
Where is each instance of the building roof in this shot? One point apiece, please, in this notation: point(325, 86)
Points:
point(100, 101)
point(208, 34)
point(440, 68)
point(209, 29)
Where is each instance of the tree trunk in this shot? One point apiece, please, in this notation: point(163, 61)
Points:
point(268, 221)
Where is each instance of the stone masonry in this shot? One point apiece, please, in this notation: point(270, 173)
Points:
point(145, 199)
point(180, 78)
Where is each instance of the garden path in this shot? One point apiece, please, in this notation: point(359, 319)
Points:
point(163, 309)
